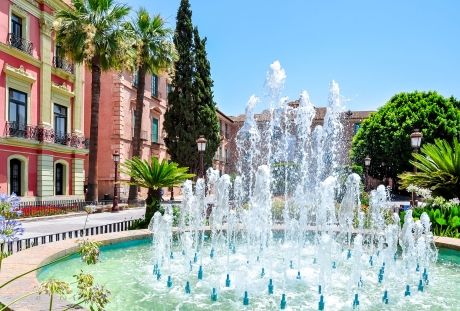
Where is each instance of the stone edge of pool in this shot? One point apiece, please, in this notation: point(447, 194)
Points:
point(34, 257)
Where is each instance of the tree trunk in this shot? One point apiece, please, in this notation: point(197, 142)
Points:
point(136, 142)
point(152, 204)
point(93, 136)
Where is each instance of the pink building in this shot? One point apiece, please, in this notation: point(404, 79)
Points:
point(42, 147)
point(116, 123)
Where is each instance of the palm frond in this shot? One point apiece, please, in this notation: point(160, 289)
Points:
point(438, 169)
point(155, 174)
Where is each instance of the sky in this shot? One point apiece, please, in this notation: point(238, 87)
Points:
point(372, 48)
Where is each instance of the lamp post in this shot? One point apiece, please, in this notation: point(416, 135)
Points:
point(116, 160)
point(415, 142)
point(201, 143)
point(367, 163)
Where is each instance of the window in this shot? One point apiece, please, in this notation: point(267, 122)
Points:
point(356, 127)
point(17, 110)
point(16, 26)
point(227, 157)
point(226, 131)
point(15, 176)
point(154, 130)
point(135, 79)
point(155, 85)
point(220, 154)
point(60, 123)
point(59, 179)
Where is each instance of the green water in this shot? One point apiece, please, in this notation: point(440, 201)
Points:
point(126, 270)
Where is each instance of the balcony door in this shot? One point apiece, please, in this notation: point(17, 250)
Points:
point(16, 26)
point(60, 124)
point(17, 112)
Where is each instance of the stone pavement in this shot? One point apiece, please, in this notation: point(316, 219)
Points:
point(34, 227)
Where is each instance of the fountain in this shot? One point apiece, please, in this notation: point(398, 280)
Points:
point(324, 240)
point(289, 232)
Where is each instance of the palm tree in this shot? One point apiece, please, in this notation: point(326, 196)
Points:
point(92, 33)
point(154, 176)
point(154, 52)
point(438, 168)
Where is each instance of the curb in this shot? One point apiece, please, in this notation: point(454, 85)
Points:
point(69, 215)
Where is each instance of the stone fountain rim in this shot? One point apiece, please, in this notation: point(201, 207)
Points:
point(34, 257)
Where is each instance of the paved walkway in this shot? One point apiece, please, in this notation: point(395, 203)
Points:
point(56, 225)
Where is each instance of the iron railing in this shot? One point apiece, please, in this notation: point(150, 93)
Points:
point(15, 129)
point(58, 207)
point(62, 63)
point(19, 245)
point(20, 43)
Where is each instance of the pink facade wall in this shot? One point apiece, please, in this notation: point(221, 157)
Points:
point(117, 102)
point(27, 147)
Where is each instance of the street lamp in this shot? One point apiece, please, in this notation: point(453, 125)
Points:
point(415, 142)
point(116, 160)
point(201, 143)
point(367, 163)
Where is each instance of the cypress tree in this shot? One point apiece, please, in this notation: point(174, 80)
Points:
point(206, 119)
point(191, 110)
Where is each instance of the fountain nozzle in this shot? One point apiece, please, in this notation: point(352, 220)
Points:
point(283, 302)
point(246, 298)
point(227, 281)
point(270, 287)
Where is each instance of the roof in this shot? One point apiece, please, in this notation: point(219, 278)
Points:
point(320, 114)
point(223, 115)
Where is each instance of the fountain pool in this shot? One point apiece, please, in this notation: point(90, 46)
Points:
point(127, 271)
point(289, 232)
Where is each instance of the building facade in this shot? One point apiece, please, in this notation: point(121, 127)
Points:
point(42, 146)
point(116, 124)
point(221, 161)
point(351, 121)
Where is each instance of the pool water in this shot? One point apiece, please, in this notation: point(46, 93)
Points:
point(126, 270)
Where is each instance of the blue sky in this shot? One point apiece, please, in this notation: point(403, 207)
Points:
point(373, 49)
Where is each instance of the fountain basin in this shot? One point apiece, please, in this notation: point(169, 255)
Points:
point(126, 270)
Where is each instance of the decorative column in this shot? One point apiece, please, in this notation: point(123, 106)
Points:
point(45, 73)
point(78, 176)
point(45, 175)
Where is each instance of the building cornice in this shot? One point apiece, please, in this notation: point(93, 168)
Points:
point(19, 54)
point(36, 145)
point(62, 89)
point(19, 73)
point(63, 74)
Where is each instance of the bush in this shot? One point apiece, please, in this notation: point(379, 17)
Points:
point(385, 135)
point(444, 216)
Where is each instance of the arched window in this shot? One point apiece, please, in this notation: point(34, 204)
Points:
point(15, 176)
point(59, 179)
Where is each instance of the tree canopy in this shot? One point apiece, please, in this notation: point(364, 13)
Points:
point(191, 109)
point(385, 135)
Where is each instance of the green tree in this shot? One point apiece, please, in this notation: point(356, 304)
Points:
point(154, 52)
point(91, 32)
point(385, 135)
point(191, 110)
point(154, 176)
point(438, 168)
point(207, 121)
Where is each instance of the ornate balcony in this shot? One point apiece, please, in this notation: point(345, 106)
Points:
point(62, 63)
point(14, 129)
point(20, 43)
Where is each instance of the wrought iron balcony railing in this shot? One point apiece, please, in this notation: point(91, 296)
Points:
point(62, 63)
point(14, 129)
point(20, 43)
